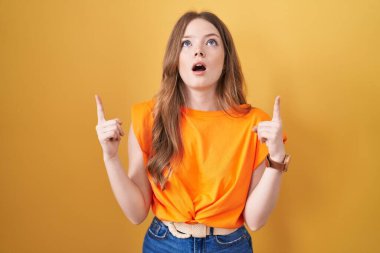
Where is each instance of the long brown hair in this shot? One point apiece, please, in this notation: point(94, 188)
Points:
point(167, 148)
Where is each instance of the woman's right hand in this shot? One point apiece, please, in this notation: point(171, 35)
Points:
point(109, 132)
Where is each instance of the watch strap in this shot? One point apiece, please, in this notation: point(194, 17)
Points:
point(283, 166)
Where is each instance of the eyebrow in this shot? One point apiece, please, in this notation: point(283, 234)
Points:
point(207, 35)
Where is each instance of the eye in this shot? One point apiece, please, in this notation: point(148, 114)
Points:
point(212, 42)
point(186, 43)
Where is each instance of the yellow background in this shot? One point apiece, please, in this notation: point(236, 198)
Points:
point(322, 57)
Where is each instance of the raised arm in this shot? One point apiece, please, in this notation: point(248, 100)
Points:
point(265, 182)
point(262, 197)
point(132, 192)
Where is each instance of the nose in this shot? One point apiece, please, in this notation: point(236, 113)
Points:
point(199, 52)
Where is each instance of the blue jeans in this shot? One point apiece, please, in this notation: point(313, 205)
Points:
point(158, 239)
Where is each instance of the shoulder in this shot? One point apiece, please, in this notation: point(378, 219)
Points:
point(258, 114)
point(142, 112)
point(142, 123)
point(143, 106)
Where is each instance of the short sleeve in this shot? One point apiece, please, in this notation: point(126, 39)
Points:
point(142, 122)
point(284, 136)
point(260, 149)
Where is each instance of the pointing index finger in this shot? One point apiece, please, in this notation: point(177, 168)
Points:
point(99, 107)
point(276, 110)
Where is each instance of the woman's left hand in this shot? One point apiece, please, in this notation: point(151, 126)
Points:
point(270, 133)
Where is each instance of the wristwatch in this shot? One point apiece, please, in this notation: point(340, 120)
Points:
point(276, 165)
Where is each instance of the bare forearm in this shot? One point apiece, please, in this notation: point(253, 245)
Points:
point(263, 198)
point(127, 193)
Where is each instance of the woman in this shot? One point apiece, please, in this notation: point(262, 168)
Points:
point(198, 153)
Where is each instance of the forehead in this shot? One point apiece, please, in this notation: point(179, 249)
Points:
point(200, 27)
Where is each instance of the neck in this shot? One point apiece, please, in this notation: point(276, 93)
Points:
point(203, 100)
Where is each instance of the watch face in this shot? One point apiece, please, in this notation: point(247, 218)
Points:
point(287, 160)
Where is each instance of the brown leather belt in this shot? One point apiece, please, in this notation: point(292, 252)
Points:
point(184, 230)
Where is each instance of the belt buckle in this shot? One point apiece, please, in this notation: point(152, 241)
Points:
point(198, 230)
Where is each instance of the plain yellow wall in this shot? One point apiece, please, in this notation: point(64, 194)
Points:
point(322, 57)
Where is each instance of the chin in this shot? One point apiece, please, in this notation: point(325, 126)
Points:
point(200, 83)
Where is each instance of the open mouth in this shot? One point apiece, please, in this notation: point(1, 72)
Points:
point(199, 67)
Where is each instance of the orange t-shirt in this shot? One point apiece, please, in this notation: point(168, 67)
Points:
point(220, 154)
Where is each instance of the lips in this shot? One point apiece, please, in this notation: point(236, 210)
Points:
point(199, 66)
